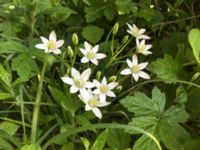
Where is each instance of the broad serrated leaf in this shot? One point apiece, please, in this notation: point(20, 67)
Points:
point(110, 10)
point(11, 47)
point(148, 123)
point(92, 33)
point(145, 143)
point(125, 6)
point(93, 13)
point(141, 105)
point(118, 139)
point(100, 141)
point(194, 40)
point(181, 95)
point(173, 136)
point(31, 147)
point(24, 65)
point(165, 68)
point(176, 114)
point(9, 128)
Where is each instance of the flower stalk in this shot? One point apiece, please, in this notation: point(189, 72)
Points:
point(36, 110)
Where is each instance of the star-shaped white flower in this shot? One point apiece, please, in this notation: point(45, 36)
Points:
point(90, 54)
point(135, 69)
point(142, 48)
point(104, 89)
point(92, 103)
point(79, 82)
point(136, 32)
point(51, 44)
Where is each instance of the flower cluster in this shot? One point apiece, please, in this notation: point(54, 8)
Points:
point(94, 93)
point(135, 68)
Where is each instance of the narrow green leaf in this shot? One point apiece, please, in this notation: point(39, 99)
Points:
point(5, 76)
point(100, 141)
point(194, 40)
point(4, 96)
point(9, 128)
point(31, 147)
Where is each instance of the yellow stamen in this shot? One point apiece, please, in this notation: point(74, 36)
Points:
point(93, 102)
point(104, 88)
point(135, 69)
point(90, 54)
point(51, 45)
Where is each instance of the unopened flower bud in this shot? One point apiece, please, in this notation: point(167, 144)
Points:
point(70, 51)
point(75, 39)
point(125, 39)
point(119, 88)
point(112, 79)
point(98, 75)
point(11, 7)
point(115, 28)
point(195, 76)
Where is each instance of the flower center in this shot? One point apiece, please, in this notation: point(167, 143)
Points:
point(90, 54)
point(79, 83)
point(135, 69)
point(93, 102)
point(51, 45)
point(141, 48)
point(104, 88)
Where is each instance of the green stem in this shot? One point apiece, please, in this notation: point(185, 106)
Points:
point(37, 105)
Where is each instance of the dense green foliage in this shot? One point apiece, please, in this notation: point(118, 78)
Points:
point(164, 109)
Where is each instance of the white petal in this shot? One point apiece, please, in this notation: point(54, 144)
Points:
point(57, 51)
point(143, 37)
point(146, 52)
point(95, 49)
point(148, 47)
point(87, 46)
point(83, 51)
point(84, 94)
point(40, 46)
point(130, 32)
point(97, 112)
point(102, 98)
point(103, 104)
point(94, 61)
point(104, 81)
point(73, 89)
point(52, 36)
point(86, 74)
point(59, 43)
point(143, 75)
point(110, 94)
point(84, 60)
point(130, 64)
point(134, 60)
point(142, 65)
point(44, 40)
point(130, 27)
point(96, 83)
point(87, 107)
point(125, 71)
point(135, 76)
point(141, 31)
point(67, 80)
point(100, 56)
point(74, 72)
point(89, 85)
point(96, 91)
point(112, 85)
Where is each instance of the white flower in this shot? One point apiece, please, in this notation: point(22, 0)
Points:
point(142, 48)
point(51, 45)
point(90, 54)
point(135, 69)
point(79, 82)
point(104, 89)
point(92, 103)
point(137, 33)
